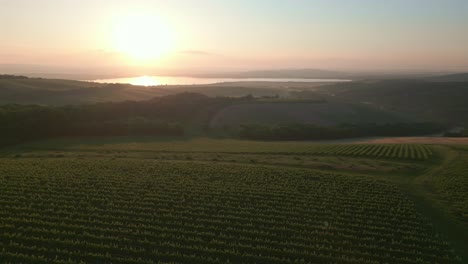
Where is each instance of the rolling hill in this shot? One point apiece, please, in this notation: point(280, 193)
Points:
point(21, 90)
point(63, 92)
point(434, 101)
point(318, 113)
point(457, 77)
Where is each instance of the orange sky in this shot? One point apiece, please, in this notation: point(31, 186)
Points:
point(178, 35)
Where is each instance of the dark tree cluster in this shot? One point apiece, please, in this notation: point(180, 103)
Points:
point(9, 76)
point(171, 115)
point(313, 132)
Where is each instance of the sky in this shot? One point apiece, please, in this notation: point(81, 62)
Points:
point(210, 35)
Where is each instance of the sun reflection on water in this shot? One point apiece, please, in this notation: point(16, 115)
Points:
point(144, 81)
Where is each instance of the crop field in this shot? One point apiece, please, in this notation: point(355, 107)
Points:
point(147, 211)
point(392, 151)
point(450, 185)
point(385, 151)
point(206, 200)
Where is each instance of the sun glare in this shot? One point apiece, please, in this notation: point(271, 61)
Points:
point(145, 81)
point(142, 37)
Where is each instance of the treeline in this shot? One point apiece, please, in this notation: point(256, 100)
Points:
point(313, 132)
point(436, 101)
point(461, 133)
point(173, 115)
point(9, 76)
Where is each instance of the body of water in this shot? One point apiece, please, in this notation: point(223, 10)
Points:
point(168, 80)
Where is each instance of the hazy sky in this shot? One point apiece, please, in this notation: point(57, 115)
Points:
point(237, 34)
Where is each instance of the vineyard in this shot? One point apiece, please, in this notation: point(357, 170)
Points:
point(149, 211)
point(383, 151)
point(451, 186)
point(391, 151)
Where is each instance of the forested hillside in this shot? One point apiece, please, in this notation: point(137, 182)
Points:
point(436, 101)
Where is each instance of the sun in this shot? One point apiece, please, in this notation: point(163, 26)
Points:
point(142, 37)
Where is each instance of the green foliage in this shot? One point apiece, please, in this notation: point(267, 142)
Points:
point(450, 186)
point(390, 151)
point(208, 145)
point(142, 211)
point(166, 116)
point(302, 111)
point(312, 132)
point(438, 101)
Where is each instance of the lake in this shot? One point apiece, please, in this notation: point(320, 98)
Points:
point(170, 80)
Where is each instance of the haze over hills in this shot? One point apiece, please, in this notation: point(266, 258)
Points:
point(63, 92)
point(284, 73)
point(325, 74)
point(441, 99)
point(433, 100)
point(94, 73)
point(456, 77)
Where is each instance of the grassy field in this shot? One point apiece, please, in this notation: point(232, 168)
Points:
point(449, 184)
point(140, 200)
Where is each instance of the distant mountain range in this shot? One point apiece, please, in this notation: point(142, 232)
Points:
point(320, 74)
point(284, 73)
point(46, 71)
point(457, 77)
point(101, 73)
